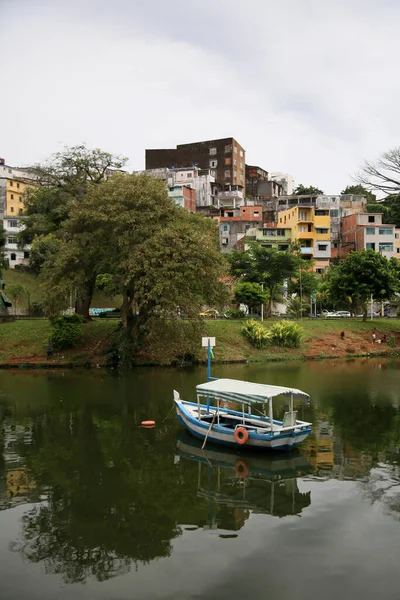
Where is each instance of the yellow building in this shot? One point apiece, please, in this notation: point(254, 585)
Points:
point(311, 227)
point(15, 189)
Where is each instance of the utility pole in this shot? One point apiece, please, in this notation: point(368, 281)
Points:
point(262, 303)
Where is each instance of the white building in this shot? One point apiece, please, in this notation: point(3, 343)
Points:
point(202, 180)
point(285, 180)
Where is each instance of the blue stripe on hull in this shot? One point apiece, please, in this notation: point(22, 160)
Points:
point(200, 436)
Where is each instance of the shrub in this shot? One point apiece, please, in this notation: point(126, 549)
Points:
point(37, 309)
point(65, 331)
point(286, 333)
point(391, 341)
point(256, 333)
point(235, 314)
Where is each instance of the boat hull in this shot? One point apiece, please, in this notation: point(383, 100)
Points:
point(221, 435)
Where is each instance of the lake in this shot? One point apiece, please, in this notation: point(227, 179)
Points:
point(94, 506)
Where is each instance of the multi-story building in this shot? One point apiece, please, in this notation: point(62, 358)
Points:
point(311, 228)
point(285, 180)
point(201, 180)
point(397, 242)
point(234, 224)
point(365, 231)
point(259, 185)
point(225, 157)
point(183, 196)
point(271, 236)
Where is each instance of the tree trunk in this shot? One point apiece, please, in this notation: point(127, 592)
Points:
point(84, 299)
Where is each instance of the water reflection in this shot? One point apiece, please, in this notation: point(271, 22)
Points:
point(105, 497)
point(236, 484)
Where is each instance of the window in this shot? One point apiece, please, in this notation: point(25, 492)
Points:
point(282, 247)
point(241, 153)
point(234, 162)
point(321, 213)
point(228, 148)
point(335, 244)
point(371, 219)
point(13, 256)
point(280, 220)
point(385, 247)
point(322, 230)
point(370, 230)
point(12, 196)
point(188, 175)
point(13, 223)
point(213, 163)
point(280, 232)
point(323, 247)
point(18, 185)
point(11, 209)
point(228, 160)
point(396, 236)
point(224, 241)
point(319, 270)
point(266, 245)
point(11, 182)
point(385, 231)
point(398, 250)
point(302, 215)
point(303, 228)
point(370, 245)
point(225, 228)
point(241, 166)
point(334, 213)
point(256, 213)
point(235, 149)
point(12, 240)
point(269, 232)
point(26, 254)
point(213, 151)
point(227, 174)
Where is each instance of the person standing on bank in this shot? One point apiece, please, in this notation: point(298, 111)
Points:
point(49, 349)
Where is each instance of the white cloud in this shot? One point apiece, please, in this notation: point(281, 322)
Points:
point(306, 87)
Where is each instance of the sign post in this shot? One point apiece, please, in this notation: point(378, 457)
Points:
point(209, 343)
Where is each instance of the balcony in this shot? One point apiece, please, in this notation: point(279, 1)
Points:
point(230, 194)
point(306, 251)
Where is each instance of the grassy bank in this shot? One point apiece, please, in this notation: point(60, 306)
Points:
point(25, 342)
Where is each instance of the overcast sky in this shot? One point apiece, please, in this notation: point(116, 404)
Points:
point(308, 87)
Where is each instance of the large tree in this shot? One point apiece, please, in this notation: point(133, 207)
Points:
point(382, 174)
point(161, 259)
point(250, 294)
point(264, 265)
point(62, 183)
point(303, 190)
point(362, 275)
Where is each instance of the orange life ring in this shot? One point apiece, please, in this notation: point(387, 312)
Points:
point(241, 468)
point(241, 435)
point(148, 423)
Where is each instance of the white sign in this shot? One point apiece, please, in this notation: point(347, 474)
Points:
point(208, 340)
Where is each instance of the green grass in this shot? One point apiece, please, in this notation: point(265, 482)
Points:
point(33, 287)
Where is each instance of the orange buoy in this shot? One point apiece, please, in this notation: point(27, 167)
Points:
point(241, 435)
point(148, 423)
point(241, 468)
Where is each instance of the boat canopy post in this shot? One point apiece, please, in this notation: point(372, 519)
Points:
point(208, 405)
point(198, 407)
point(243, 413)
point(271, 414)
point(291, 403)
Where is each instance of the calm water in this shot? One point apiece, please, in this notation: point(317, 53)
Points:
point(92, 506)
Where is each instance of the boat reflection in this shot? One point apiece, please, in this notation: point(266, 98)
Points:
point(235, 485)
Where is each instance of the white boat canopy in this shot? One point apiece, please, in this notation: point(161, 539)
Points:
point(235, 390)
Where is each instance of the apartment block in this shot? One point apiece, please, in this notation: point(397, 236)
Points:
point(365, 231)
point(271, 236)
point(225, 157)
point(397, 242)
point(311, 228)
point(285, 180)
point(234, 224)
point(183, 196)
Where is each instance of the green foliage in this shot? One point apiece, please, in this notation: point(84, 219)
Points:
point(256, 333)
point(359, 190)
point(36, 309)
point(377, 208)
point(296, 308)
point(250, 294)
point(16, 292)
point(265, 265)
point(361, 275)
point(43, 249)
point(303, 190)
point(391, 341)
point(286, 333)
point(65, 331)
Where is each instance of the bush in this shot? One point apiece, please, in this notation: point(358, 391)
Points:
point(391, 341)
point(37, 309)
point(65, 331)
point(235, 314)
point(286, 333)
point(256, 333)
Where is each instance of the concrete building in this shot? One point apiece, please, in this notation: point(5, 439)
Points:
point(183, 196)
point(285, 180)
point(225, 157)
point(271, 236)
point(258, 184)
point(234, 224)
point(311, 228)
point(397, 242)
point(365, 231)
point(201, 180)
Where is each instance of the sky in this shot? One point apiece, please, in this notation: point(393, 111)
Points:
point(307, 87)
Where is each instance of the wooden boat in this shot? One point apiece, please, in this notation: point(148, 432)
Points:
point(221, 424)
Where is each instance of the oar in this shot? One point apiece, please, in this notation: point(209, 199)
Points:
point(209, 429)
